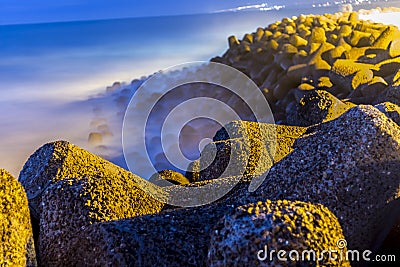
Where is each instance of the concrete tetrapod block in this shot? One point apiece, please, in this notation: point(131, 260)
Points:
point(17, 245)
point(80, 188)
point(247, 236)
point(350, 165)
point(261, 144)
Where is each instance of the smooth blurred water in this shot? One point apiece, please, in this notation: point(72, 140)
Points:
point(49, 71)
point(77, 58)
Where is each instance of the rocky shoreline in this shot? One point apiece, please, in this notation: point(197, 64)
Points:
point(333, 83)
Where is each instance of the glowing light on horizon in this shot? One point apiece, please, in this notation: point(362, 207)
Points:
point(260, 7)
point(317, 4)
point(353, 2)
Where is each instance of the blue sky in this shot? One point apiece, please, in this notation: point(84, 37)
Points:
point(31, 11)
point(36, 11)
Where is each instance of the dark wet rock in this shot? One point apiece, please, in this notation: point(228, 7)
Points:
point(388, 67)
point(252, 231)
point(193, 171)
point(373, 88)
point(315, 107)
point(17, 245)
point(391, 94)
point(391, 110)
point(387, 240)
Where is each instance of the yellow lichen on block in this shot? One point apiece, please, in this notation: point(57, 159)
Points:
point(167, 178)
point(290, 29)
point(362, 77)
point(353, 17)
point(261, 144)
point(63, 160)
point(378, 79)
point(306, 87)
point(259, 34)
point(318, 35)
point(342, 42)
point(273, 45)
point(233, 41)
point(248, 38)
point(357, 52)
point(16, 247)
point(282, 225)
point(193, 171)
point(339, 46)
point(387, 36)
point(289, 49)
point(297, 41)
point(345, 67)
point(324, 82)
point(79, 164)
point(345, 30)
point(394, 48)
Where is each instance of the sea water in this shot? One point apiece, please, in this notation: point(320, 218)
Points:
point(51, 75)
point(48, 71)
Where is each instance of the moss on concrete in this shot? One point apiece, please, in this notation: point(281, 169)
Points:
point(350, 165)
point(246, 148)
point(75, 189)
point(17, 246)
point(167, 178)
point(387, 36)
point(59, 160)
point(338, 46)
point(279, 225)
